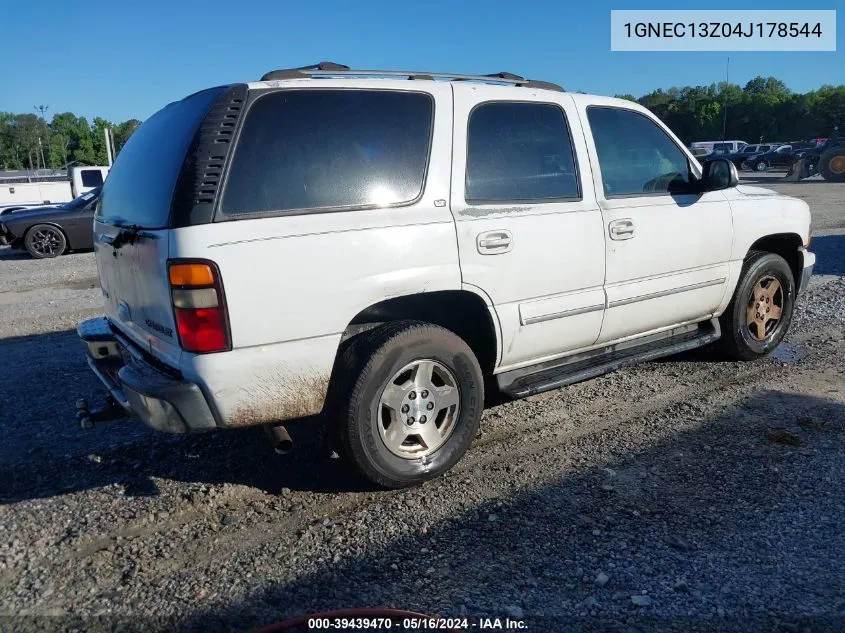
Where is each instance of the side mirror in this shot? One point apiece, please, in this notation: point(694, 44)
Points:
point(718, 174)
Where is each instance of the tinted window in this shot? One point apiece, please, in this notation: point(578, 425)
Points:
point(92, 177)
point(519, 151)
point(635, 155)
point(318, 149)
point(140, 185)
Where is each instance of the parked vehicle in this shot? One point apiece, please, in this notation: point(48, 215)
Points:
point(699, 152)
point(828, 159)
point(739, 158)
point(26, 192)
point(781, 156)
point(373, 250)
point(50, 231)
point(724, 147)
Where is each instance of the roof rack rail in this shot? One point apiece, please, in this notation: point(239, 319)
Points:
point(331, 69)
point(303, 71)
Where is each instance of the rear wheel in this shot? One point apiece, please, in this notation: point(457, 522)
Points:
point(43, 241)
point(832, 165)
point(758, 316)
point(409, 402)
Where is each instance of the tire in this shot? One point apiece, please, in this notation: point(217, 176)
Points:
point(372, 381)
point(832, 165)
point(44, 241)
point(760, 165)
point(742, 338)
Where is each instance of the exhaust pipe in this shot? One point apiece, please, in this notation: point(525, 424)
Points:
point(279, 438)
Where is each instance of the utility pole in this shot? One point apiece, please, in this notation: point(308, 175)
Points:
point(108, 145)
point(42, 109)
point(725, 100)
point(41, 149)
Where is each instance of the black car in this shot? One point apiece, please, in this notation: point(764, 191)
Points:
point(50, 231)
point(739, 158)
point(783, 156)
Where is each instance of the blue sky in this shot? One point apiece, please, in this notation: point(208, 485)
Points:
point(127, 59)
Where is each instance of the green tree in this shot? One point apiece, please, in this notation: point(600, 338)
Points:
point(122, 131)
point(64, 137)
point(83, 150)
point(98, 140)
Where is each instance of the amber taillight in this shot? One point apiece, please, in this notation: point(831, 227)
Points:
point(197, 296)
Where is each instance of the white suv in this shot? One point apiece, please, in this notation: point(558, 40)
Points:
point(376, 246)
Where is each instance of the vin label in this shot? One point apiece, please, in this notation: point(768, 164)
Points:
point(722, 30)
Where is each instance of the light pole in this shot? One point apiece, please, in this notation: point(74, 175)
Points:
point(725, 103)
point(42, 109)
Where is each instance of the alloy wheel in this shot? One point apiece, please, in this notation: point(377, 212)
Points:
point(764, 308)
point(418, 409)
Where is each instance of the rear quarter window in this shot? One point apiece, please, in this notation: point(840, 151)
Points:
point(308, 150)
point(139, 189)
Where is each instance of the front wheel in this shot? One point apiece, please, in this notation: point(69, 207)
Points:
point(757, 318)
point(409, 402)
point(43, 241)
point(761, 165)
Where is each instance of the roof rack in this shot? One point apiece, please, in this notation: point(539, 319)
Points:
point(331, 69)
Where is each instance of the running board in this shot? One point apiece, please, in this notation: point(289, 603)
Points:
point(526, 381)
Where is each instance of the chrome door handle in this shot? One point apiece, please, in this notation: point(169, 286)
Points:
point(621, 229)
point(494, 242)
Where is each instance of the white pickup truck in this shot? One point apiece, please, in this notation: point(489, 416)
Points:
point(368, 249)
point(26, 193)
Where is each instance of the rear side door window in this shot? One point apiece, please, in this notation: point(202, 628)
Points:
point(519, 151)
point(309, 150)
point(635, 155)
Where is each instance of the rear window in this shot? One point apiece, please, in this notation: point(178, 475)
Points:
point(92, 178)
point(140, 185)
point(305, 150)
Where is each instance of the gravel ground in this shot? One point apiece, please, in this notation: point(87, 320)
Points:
point(688, 494)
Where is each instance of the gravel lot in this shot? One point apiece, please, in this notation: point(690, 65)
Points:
point(689, 494)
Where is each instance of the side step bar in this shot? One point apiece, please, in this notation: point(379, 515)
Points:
point(526, 381)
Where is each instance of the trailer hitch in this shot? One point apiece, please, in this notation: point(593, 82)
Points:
point(110, 411)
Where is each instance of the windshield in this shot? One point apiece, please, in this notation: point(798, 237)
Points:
point(82, 200)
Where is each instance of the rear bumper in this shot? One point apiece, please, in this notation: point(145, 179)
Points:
point(809, 260)
point(163, 401)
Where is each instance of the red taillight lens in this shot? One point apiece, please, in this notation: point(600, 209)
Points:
point(198, 306)
point(201, 329)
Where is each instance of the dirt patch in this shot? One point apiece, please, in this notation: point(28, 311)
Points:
point(280, 396)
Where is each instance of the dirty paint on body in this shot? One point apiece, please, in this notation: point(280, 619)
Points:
point(278, 397)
